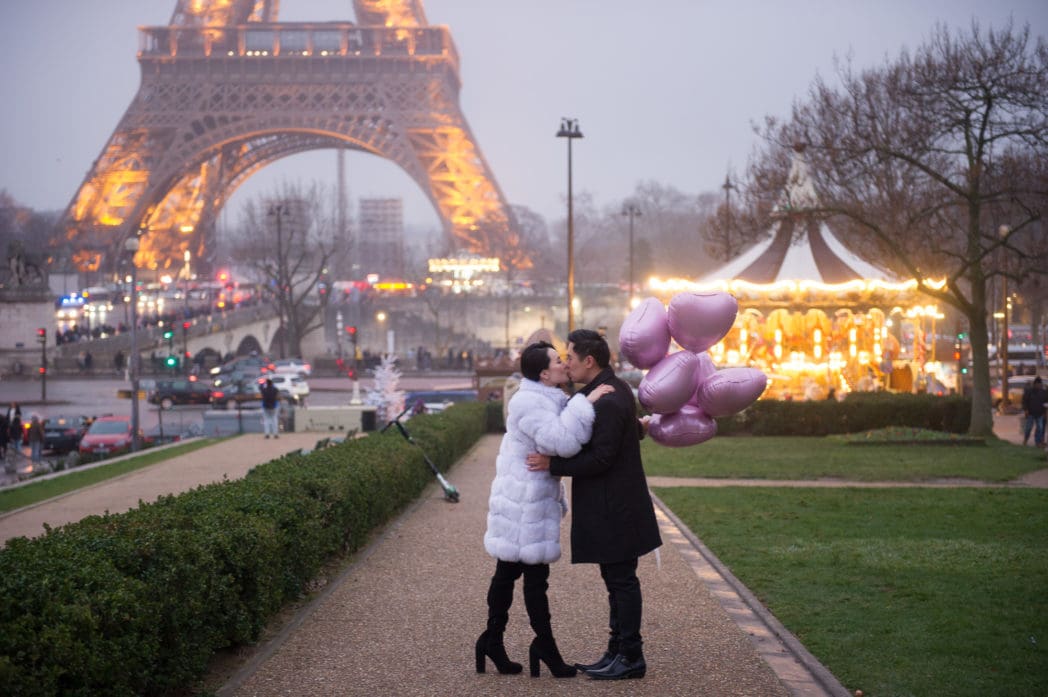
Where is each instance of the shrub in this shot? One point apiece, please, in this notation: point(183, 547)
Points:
point(137, 603)
point(859, 411)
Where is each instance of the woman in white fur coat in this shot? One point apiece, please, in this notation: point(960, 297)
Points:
point(525, 508)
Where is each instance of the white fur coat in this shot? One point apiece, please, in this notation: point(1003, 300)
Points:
point(525, 508)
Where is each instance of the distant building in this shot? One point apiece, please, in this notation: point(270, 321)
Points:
point(380, 244)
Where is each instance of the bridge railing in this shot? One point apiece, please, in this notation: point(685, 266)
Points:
point(302, 40)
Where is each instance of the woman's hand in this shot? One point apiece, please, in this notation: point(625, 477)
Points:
point(599, 392)
point(537, 462)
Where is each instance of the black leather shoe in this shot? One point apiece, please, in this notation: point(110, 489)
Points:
point(621, 668)
point(603, 663)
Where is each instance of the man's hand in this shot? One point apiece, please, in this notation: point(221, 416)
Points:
point(537, 463)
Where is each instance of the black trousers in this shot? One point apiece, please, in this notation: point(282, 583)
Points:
point(624, 607)
point(500, 595)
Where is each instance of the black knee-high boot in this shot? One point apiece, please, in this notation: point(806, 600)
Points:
point(543, 647)
point(490, 643)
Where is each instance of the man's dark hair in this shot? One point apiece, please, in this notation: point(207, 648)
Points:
point(587, 342)
point(535, 359)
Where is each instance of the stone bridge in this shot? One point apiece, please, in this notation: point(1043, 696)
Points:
point(208, 339)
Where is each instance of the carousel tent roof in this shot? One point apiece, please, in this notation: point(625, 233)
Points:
point(801, 248)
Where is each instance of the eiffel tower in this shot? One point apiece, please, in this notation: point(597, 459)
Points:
point(227, 89)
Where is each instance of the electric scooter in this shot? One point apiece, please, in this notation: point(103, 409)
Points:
point(450, 492)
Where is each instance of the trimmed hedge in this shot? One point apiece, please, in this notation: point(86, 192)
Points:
point(859, 411)
point(138, 602)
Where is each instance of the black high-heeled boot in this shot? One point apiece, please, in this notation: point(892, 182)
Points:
point(490, 644)
point(544, 648)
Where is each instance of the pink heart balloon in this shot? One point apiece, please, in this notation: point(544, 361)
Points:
point(644, 337)
point(689, 426)
point(670, 384)
point(699, 320)
point(731, 390)
point(703, 371)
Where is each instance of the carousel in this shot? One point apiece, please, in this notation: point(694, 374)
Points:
point(817, 319)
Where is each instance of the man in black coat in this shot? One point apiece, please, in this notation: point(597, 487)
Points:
point(613, 520)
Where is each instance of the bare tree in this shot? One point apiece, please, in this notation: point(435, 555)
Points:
point(289, 240)
point(925, 161)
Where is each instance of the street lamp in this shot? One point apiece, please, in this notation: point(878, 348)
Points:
point(1003, 232)
point(727, 186)
point(186, 256)
point(631, 210)
point(131, 246)
point(280, 211)
point(569, 128)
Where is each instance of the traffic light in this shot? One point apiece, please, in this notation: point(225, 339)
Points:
point(171, 361)
point(42, 370)
point(352, 331)
point(168, 334)
point(41, 335)
point(185, 326)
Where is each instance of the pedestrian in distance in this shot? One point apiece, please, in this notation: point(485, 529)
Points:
point(613, 520)
point(1034, 398)
point(36, 439)
point(270, 409)
point(4, 435)
point(525, 507)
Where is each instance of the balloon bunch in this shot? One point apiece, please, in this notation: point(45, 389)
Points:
point(685, 390)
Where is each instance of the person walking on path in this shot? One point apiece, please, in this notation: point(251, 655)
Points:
point(4, 435)
point(525, 508)
point(14, 426)
point(270, 409)
point(613, 520)
point(36, 439)
point(1034, 399)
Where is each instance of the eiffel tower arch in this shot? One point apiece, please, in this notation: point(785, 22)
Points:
point(226, 89)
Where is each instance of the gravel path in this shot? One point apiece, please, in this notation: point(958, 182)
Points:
point(230, 458)
point(402, 620)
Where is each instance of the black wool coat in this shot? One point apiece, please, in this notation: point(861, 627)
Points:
point(612, 517)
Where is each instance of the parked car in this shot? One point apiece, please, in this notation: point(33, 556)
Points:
point(255, 364)
point(291, 365)
point(62, 433)
point(292, 387)
point(246, 394)
point(1016, 386)
point(438, 400)
point(108, 435)
point(168, 393)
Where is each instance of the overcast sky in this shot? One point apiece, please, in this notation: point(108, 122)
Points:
point(665, 90)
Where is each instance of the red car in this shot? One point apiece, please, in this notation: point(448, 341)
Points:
point(108, 435)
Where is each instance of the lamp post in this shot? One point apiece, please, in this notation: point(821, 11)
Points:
point(631, 210)
point(280, 211)
point(186, 256)
point(569, 128)
point(1003, 233)
point(131, 246)
point(727, 186)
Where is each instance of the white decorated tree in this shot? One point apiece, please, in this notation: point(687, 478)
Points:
point(385, 395)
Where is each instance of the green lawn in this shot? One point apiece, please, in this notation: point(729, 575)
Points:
point(782, 457)
point(10, 499)
point(904, 592)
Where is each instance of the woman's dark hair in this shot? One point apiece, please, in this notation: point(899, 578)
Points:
point(586, 342)
point(535, 359)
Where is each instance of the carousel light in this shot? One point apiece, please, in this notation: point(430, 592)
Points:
point(817, 347)
point(743, 336)
point(778, 343)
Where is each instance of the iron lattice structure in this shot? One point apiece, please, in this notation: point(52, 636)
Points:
point(226, 89)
